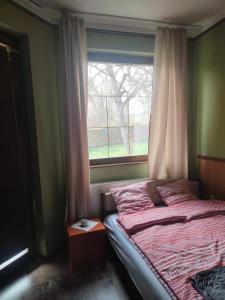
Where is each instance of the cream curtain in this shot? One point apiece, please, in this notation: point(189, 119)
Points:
point(168, 124)
point(73, 82)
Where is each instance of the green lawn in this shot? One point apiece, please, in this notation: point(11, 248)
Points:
point(117, 150)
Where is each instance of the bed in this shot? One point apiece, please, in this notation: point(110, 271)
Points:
point(142, 267)
point(143, 277)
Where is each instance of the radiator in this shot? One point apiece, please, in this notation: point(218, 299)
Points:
point(103, 187)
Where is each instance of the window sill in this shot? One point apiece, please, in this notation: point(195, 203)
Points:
point(119, 164)
point(105, 164)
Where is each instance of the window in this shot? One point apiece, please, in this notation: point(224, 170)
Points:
point(119, 96)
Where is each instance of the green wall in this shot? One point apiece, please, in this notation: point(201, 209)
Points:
point(192, 112)
point(50, 207)
point(42, 44)
point(208, 106)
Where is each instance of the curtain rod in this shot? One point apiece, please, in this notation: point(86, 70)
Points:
point(129, 24)
point(9, 48)
point(87, 15)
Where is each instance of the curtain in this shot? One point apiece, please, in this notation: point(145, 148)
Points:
point(73, 83)
point(168, 124)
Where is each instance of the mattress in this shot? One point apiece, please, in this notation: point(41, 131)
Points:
point(140, 272)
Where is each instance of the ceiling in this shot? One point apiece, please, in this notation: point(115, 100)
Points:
point(187, 12)
point(142, 16)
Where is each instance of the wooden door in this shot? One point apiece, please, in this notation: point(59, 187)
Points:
point(14, 214)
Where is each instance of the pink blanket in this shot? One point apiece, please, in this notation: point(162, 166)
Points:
point(181, 212)
point(140, 220)
point(179, 250)
point(197, 209)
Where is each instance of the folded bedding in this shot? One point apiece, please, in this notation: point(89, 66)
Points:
point(179, 241)
point(155, 216)
point(181, 212)
point(197, 209)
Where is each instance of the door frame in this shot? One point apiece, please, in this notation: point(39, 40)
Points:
point(33, 187)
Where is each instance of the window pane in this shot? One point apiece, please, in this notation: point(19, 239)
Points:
point(139, 111)
point(118, 142)
point(139, 140)
point(117, 111)
point(97, 115)
point(98, 143)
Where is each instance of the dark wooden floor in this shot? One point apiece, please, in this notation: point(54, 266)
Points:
point(53, 279)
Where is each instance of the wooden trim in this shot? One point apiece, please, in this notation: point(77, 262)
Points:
point(212, 177)
point(211, 158)
point(106, 198)
point(118, 160)
point(26, 133)
point(119, 164)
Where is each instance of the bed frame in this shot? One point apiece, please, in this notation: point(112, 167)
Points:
point(108, 205)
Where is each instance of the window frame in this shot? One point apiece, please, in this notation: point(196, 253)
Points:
point(126, 59)
point(119, 160)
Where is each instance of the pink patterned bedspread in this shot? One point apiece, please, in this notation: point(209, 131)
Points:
point(179, 250)
point(181, 212)
point(140, 220)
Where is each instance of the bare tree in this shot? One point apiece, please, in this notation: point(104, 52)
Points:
point(120, 83)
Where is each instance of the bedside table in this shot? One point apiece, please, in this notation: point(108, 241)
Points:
point(87, 248)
